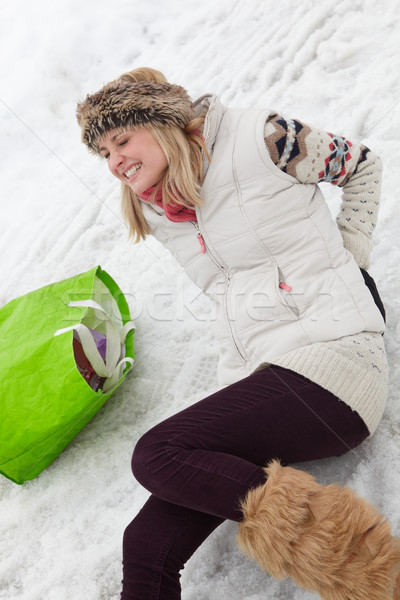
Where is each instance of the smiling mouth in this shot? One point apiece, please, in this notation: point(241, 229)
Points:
point(132, 170)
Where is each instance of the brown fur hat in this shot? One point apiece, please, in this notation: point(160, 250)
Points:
point(121, 104)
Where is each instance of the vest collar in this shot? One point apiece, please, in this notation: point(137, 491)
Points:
point(215, 111)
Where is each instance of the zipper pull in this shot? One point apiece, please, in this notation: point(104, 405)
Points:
point(199, 237)
point(201, 241)
point(285, 286)
point(282, 284)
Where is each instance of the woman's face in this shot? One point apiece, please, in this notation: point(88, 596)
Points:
point(134, 157)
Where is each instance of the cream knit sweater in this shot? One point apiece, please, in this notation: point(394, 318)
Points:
point(354, 368)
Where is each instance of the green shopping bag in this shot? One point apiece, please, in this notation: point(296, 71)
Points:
point(44, 399)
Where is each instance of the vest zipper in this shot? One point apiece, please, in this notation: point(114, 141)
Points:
point(287, 288)
point(227, 277)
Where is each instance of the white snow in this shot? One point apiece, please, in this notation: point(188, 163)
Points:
point(332, 63)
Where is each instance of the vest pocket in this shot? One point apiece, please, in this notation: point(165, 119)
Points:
point(254, 298)
point(252, 311)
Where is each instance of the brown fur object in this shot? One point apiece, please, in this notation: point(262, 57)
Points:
point(121, 105)
point(326, 538)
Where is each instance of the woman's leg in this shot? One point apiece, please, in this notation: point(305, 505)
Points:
point(157, 544)
point(201, 462)
point(208, 456)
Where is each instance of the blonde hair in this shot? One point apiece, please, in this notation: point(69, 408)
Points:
point(183, 149)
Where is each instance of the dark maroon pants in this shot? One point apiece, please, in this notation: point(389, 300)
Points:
point(201, 462)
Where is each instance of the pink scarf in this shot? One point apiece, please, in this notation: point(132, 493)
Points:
point(173, 212)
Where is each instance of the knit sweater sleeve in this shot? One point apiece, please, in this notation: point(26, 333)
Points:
point(313, 156)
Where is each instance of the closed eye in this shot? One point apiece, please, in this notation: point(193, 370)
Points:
point(119, 143)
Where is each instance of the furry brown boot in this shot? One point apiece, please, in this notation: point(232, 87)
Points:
point(326, 538)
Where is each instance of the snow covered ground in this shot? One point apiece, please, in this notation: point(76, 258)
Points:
point(332, 63)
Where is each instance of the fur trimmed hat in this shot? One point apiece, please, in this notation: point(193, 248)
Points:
point(120, 104)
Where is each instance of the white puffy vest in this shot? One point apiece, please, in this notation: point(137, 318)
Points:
point(274, 265)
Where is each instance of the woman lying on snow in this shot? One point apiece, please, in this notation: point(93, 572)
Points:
point(233, 195)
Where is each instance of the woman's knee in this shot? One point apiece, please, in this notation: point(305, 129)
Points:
point(149, 456)
point(141, 456)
